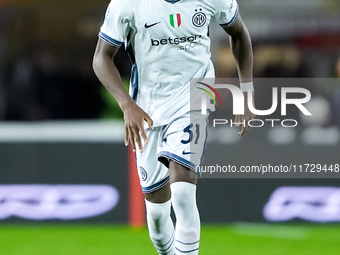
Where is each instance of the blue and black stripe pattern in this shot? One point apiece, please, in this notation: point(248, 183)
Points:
point(186, 248)
point(163, 155)
point(167, 248)
point(232, 21)
point(109, 40)
point(156, 186)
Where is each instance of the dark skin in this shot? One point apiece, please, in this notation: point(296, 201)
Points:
point(134, 116)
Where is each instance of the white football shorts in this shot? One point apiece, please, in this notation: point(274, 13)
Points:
point(183, 140)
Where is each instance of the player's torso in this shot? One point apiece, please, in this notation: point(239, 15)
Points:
point(171, 46)
point(160, 27)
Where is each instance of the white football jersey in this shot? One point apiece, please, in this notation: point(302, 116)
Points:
point(168, 43)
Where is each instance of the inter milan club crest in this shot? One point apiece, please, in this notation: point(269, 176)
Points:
point(199, 18)
point(143, 173)
point(175, 20)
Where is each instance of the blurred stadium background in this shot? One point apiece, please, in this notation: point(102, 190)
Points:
point(68, 183)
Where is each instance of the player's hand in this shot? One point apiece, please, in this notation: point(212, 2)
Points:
point(248, 115)
point(134, 118)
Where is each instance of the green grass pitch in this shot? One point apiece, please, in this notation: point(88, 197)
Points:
point(233, 239)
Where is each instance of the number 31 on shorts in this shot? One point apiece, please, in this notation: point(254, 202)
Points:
point(190, 130)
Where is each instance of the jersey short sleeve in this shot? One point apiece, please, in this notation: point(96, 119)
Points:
point(226, 12)
point(116, 24)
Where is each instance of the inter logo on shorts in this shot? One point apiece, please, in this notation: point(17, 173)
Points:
point(143, 173)
point(175, 20)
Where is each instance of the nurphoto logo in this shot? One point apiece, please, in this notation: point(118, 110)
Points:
point(239, 104)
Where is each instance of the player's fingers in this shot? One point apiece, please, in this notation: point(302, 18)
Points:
point(245, 130)
point(237, 120)
point(246, 127)
point(149, 121)
point(126, 137)
point(137, 139)
point(143, 133)
point(249, 121)
point(132, 139)
point(242, 132)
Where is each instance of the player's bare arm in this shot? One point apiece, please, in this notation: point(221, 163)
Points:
point(242, 50)
point(109, 76)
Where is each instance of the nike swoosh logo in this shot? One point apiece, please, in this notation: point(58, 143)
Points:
point(148, 26)
point(186, 153)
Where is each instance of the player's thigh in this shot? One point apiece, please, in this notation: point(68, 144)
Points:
point(180, 173)
point(161, 195)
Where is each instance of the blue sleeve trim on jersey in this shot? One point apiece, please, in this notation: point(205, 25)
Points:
point(179, 160)
point(109, 40)
point(232, 21)
point(156, 186)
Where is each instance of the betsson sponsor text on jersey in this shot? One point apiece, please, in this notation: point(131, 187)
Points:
point(184, 39)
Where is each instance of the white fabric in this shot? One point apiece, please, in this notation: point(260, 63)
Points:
point(168, 54)
point(245, 86)
point(187, 233)
point(182, 140)
point(161, 228)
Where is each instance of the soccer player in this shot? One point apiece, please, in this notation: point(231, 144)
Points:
point(168, 43)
